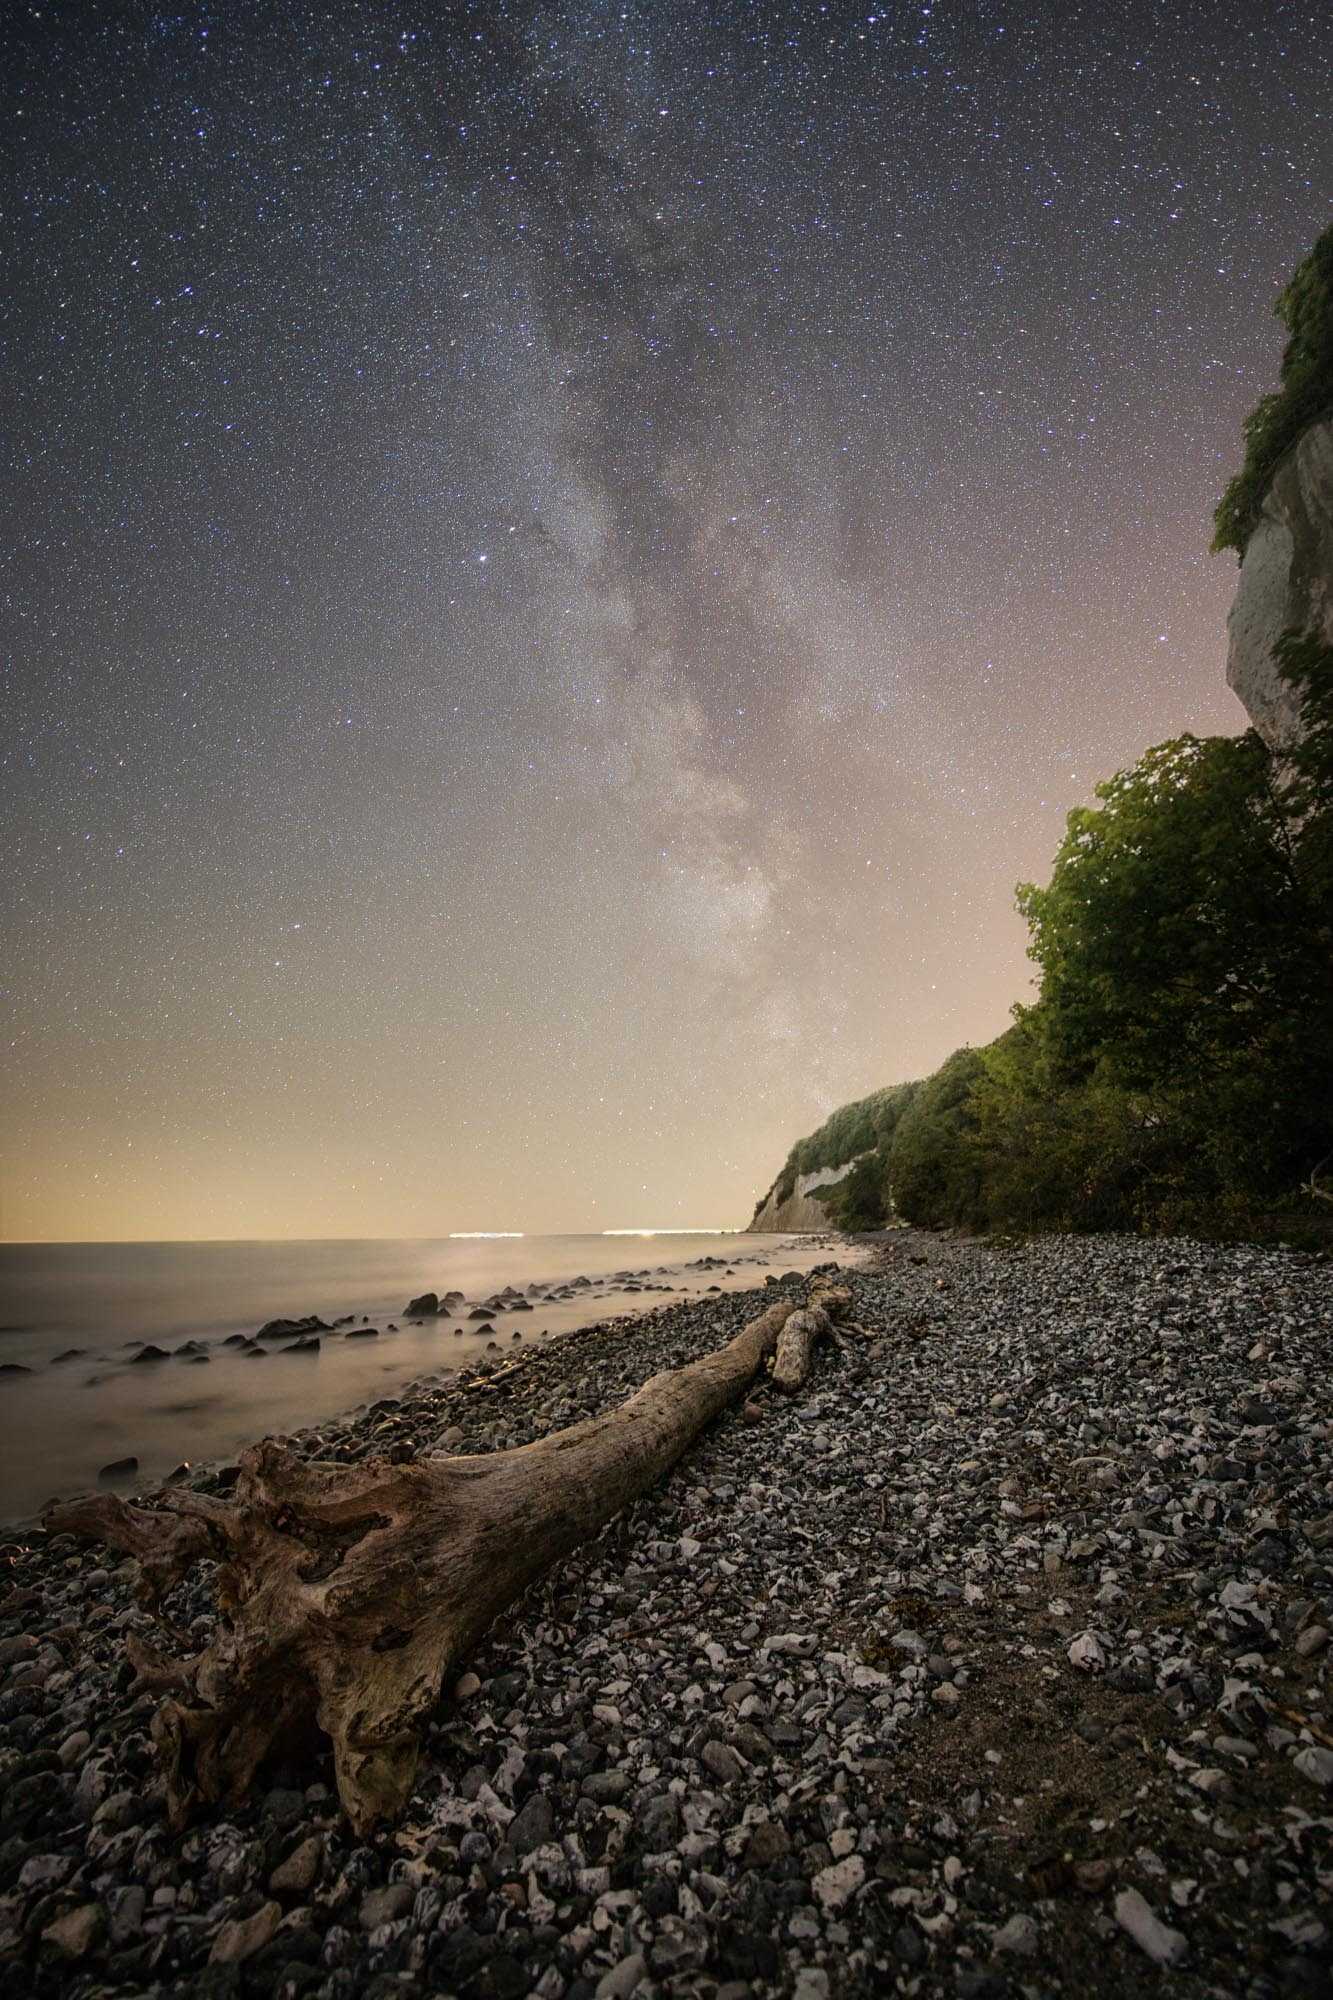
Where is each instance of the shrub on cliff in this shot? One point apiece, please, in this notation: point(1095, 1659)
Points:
point(1304, 394)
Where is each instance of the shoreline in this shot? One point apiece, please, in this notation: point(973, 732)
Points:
point(907, 1679)
point(153, 1410)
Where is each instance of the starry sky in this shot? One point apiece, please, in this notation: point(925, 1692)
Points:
point(561, 562)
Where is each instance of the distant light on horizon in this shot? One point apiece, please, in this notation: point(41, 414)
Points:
point(483, 1235)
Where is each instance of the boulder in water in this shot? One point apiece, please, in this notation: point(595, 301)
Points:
point(423, 1308)
point(285, 1329)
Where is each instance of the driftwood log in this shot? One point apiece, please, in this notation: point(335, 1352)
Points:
point(346, 1594)
point(796, 1341)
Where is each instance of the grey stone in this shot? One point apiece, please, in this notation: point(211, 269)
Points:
point(722, 1761)
point(385, 1906)
point(605, 1788)
point(532, 1825)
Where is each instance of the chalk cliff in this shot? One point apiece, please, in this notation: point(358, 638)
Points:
point(1286, 581)
point(801, 1212)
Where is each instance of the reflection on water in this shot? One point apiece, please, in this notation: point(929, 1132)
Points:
point(74, 1317)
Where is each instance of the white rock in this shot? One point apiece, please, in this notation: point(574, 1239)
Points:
point(799, 1645)
point(1088, 1653)
point(811, 1984)
point(1163, 1945)
point(1305, 1931)
point(834, 1886)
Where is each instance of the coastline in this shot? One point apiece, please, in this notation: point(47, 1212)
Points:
point(331, 1331)
point(907, 1678)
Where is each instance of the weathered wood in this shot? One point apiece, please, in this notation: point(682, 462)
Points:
point(347, 1593)
point(796, 1342)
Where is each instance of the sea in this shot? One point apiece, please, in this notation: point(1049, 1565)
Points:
point(81, 1388)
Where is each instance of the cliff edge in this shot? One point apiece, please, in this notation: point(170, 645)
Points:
point(1286, 583)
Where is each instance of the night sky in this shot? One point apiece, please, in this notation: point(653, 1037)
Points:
point(560, 563)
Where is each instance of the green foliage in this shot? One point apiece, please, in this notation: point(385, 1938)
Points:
point(1305, 394)
point(858, 1201)
point(1175, 931)
point(934, 1164)
point(1307, 664)
point(1175, 1071)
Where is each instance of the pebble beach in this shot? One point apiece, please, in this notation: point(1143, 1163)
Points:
point(994, 1663)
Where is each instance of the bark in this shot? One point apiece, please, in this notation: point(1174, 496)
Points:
point(347, 1594)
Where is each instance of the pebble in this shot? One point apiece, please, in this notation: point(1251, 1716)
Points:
point(241, 1937)
point(1019, 1935)
point(722, 1761)
point(1315, 1763)
point(300, 1871)
point(384, 1906)
point(768, 1842)
point(1162, 1944)
point(73, 1749)
point(74, 1934)
point(624, 1978)
point(835, 1885)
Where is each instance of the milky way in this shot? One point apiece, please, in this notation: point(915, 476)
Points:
point(562, 562)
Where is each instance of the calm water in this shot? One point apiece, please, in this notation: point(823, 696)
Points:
point(69, 1414)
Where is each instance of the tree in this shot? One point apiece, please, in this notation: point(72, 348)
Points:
point(1183, 941)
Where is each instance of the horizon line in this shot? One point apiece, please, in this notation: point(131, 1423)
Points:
point(450, 1236)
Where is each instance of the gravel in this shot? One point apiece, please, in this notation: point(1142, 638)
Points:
point(994, 1663)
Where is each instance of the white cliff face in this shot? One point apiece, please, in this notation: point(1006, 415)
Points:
point(1286, 580)
point(801, 1214)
